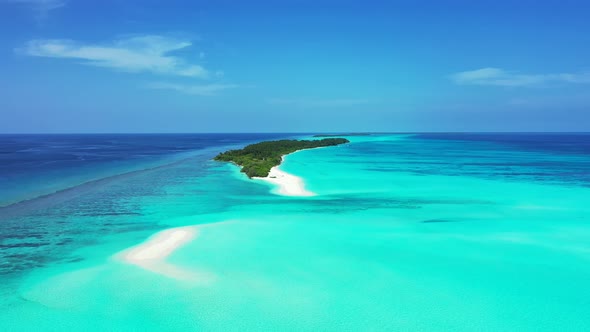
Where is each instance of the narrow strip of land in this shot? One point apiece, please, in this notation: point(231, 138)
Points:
point(258, 159)
point(151, 255)
point(288, 184)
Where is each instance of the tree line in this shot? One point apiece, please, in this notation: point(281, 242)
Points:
point(257, 159)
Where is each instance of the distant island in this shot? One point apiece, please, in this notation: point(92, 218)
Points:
point(257, 159)
point(346, 134)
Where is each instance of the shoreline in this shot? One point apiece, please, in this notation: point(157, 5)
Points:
point(288, 184)
point(257, 160)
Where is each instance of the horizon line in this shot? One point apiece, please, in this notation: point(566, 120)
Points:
point(342, 133)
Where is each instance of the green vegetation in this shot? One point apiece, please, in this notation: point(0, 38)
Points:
point(257, 159)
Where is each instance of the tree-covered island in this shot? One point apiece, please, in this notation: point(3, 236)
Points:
point(257, 159)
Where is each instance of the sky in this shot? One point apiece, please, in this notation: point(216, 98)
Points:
point(79, 66)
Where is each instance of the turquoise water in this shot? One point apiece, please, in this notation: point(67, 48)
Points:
point(407, 233)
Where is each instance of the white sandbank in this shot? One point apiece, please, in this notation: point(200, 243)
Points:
point(151, 254)
point(288, 184)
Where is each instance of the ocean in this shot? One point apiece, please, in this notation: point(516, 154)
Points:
point(407, 232)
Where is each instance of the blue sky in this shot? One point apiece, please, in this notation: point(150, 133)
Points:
point(294, 66)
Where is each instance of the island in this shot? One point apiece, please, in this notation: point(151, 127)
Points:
point(257, 159)
point(345, 134)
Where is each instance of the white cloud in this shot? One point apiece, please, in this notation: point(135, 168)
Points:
point(135, 54)
point(500, 77)
point(315, 103)
point(199, 90)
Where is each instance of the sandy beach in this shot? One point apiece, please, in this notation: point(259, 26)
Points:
point(288, 184)
point(151, 254)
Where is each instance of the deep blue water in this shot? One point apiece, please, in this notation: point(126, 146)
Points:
point(33, 165)
point(37, 165)
point(572, 143)
point(539, 157)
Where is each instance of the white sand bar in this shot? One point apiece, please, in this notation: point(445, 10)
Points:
point(288, 184)
point(152, 253)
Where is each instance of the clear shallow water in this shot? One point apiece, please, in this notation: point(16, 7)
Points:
point(408, 232)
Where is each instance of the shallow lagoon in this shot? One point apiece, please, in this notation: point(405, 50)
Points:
point(407, 232)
